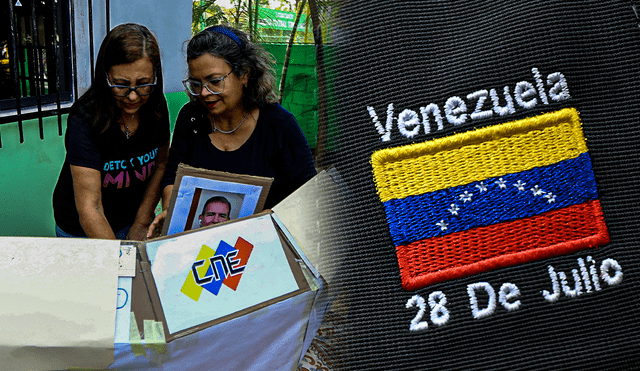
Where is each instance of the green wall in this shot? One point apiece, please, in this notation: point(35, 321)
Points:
point(29, 170)
point(175, 101)
point(28, 174)
point(301, 87)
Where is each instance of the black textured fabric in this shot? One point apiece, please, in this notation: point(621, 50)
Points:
point(412, 53)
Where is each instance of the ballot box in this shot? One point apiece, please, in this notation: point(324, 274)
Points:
point(240, 295)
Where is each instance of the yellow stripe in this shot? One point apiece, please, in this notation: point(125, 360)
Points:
point(479, 154)
point(190, 287)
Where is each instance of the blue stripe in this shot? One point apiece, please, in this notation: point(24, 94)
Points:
point(215, 285)
point(415, 218)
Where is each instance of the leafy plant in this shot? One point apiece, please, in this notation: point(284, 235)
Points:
point(205, 14)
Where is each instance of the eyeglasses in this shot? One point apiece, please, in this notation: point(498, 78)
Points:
point(124, 91)
point(214, 86)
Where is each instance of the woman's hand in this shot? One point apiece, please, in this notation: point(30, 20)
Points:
point(156, 226)
point(87, 189)
point(143, 221)
point(138, 231)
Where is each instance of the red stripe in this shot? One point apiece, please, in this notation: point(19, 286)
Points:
point(478, 250)
point(244, 251)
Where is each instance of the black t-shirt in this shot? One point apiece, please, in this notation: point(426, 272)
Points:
point(276, 148)
point(125, 166)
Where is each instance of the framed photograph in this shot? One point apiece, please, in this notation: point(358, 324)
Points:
point(202, 198)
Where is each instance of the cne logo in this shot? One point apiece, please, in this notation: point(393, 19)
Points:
point(213, 268)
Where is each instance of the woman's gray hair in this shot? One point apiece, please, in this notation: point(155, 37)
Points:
point(243, 57)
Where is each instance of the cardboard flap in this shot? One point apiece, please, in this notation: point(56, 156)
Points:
point(311, 215)
point(141, 301)
point(57, 293)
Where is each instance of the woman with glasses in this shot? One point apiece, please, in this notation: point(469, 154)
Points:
point(233, 122)
point(117, 143)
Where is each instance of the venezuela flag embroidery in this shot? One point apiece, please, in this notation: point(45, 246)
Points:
point(490, 198)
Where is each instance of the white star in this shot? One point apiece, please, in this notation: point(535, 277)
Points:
point(520, 185)
point(550, 197)
point(537, 191)
point(442, 225)
point(454, 209)
point(466, 196)
point(500, 182)
point(481, 187)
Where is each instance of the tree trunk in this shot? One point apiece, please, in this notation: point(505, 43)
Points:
point(255, 19)
point(250, 25)
point(237, 15)
point(306, 27)
point(287, 56)
point(322, 85)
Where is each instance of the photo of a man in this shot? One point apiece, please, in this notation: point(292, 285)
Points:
point(217, 209)
point(212, 207)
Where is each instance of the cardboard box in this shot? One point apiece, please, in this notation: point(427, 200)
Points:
point(262, 315)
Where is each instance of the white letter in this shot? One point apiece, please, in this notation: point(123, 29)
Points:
point(386, 131)
point(604, 270)
point(502, 111)
point(594, 273)
point(509, 291)
point(416, 323)
point(435, 111)
point(560, 89)
point(577, 287)
point(439, 312)
point(408, 118)
point(491, 306)
point(454, 109)
point(540, 84)
point(481, 96)
point(585, 275)
point(525, 94)
point(554, 284)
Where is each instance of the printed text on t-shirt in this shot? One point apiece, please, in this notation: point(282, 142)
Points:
point(139, 167)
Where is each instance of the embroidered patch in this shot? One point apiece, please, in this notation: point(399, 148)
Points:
point(489, 198)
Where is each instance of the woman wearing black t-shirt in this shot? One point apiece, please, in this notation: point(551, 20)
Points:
point(233, 122)
point(117, 143)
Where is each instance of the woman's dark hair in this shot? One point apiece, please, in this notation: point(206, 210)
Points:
point(243, 57)
point(124, 44)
